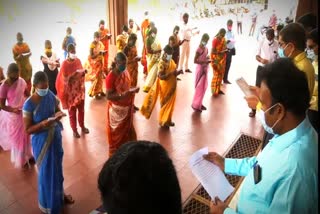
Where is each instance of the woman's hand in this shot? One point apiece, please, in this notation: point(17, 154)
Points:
point(216, 159)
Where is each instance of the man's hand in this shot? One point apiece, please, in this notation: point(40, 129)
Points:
point(217, 207)
point(252, 101)
point(216, 159)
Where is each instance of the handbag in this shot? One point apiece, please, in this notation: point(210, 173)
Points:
point(233, 51)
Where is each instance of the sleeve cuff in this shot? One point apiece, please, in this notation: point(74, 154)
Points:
point(230, 166)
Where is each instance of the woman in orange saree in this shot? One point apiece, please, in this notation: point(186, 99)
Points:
point(96, 61)
point(218, 58)
point(21, 54)
point(144, 26)
point(120, 96)
point(164, 87)
point(104, 38)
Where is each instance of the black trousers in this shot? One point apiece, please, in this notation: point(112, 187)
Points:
point(314, 119)
point(228, 64)
point(258, 75)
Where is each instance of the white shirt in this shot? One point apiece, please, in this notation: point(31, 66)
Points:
point(186, 31)
point(268, 50)
point(51, 59)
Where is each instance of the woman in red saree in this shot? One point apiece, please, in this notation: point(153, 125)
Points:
point(71, 90)
point(120, 106)
point(218, 58)
point(96, 61)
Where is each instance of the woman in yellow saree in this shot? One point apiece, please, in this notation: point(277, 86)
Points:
point(153, 57)
point(96, 61)
point(164, 87)
point(120, 96)
point(218, 58)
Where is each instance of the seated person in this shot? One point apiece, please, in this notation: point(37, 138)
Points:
point(140, 179)
point(283, 178)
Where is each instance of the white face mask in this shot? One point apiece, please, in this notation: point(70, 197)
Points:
point(262, 118)
point(169, 57)
point(153, 35)
point(72, 56)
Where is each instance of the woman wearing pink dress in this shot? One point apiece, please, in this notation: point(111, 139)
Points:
point(201, 83)
point(13, 93)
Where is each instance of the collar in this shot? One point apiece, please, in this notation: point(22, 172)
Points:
point(299, 57)
point(281, 142)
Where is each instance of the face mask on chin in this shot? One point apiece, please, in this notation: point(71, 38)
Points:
point(122, 68)
point(262, 118)
point(72, 56)
point(169, 57)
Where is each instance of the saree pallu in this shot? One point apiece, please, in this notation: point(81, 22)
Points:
point(12, 132)
point(166, 90)
point(120, 127)
point(48, 153)
point(218, 65)
point(121, 42)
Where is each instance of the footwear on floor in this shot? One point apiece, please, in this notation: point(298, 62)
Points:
point(252, 113)
point(188, 71)
point(85, 130)
point(76, 134)
point(195, 109)
point(226, 82)
point(203, 108)
point(221, 92)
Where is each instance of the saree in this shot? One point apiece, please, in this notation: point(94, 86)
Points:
point(95, 71)
point(218, 64)
point(105, 41)
point(12, 132)
point(48, 153)
point(201, 81)
point(153, 60)
point(23, 63)
point(144, 26)
point(120, 127)
point(166, 90)
point(71, 91)
point(132, 64)
point(121, 42)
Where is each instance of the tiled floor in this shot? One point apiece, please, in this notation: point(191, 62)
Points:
point(216, 128)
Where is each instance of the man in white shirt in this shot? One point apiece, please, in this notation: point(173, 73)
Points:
point(239, 18)
point(267, 52)
point(186, 34)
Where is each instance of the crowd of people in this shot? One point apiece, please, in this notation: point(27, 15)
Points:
point(285, 98)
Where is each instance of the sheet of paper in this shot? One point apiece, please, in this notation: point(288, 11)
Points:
point(244, 86)
point(210, 176)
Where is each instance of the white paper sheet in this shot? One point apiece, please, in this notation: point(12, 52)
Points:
point(210, 175)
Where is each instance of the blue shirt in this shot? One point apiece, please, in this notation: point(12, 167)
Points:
point(289, 175)
point(230, 36)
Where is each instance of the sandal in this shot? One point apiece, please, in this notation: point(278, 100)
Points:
point(203, 107)
point(195, 109)
point(76, 134)
point(252, 113)
point(85, 130)
point(67, 199)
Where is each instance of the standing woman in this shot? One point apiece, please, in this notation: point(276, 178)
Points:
point(13, 93)
point(42, 115)
point(71, 90)
point(165, 87)
point(201, 83)
point(153, 57)
point(218, 61)
point(96, 61)
point(120, 106)
point(131, 52)
point(21, 54)
point(50, 64)
point(176, 44)
point(104, 38)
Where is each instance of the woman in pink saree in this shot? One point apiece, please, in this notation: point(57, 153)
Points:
point(13, 93)
point(201, 83)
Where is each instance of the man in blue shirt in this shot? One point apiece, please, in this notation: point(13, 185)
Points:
point(283, 178)
point(231, 50)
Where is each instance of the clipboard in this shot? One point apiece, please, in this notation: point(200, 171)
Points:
point(244, 86)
